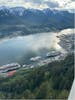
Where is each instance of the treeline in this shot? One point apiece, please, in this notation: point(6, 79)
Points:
point(52, 81)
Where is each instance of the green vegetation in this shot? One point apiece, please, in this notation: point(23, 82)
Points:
point(46, 82)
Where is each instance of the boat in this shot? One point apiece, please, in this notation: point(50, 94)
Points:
point(9, 67)
point(53, 53)
point(33, 59)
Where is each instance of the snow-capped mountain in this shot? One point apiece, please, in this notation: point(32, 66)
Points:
point(20, 11)
point(46, 16)
point(34, 20)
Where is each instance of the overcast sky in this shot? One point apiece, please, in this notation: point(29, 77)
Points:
point(40, 4)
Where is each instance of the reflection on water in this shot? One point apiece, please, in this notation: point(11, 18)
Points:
point(23, 48)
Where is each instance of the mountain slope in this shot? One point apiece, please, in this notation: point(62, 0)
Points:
point(52, 81)
point(28, 21)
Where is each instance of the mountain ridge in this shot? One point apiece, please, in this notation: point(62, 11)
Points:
point(29, 21)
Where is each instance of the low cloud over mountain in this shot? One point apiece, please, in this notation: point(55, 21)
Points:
point(40, 4)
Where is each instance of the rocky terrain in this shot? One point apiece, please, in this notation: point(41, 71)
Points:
point(67, 41)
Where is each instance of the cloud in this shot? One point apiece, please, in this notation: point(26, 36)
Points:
point(40, 4)
point(34, 1)
point(52, 4)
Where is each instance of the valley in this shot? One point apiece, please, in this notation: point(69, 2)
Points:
point(61, 45)
point(36, 52)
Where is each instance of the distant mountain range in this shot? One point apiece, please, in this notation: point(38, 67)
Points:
point(22, 21)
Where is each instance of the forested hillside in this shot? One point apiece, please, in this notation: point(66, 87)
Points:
point(46, 82)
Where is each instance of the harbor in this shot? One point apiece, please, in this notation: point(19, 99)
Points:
point(9, 70)
point(65, 42)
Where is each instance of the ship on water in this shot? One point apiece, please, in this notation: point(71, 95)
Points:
point(53, 53)
point(9, 67)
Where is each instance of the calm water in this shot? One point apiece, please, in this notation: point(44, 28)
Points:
point(23, 48)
